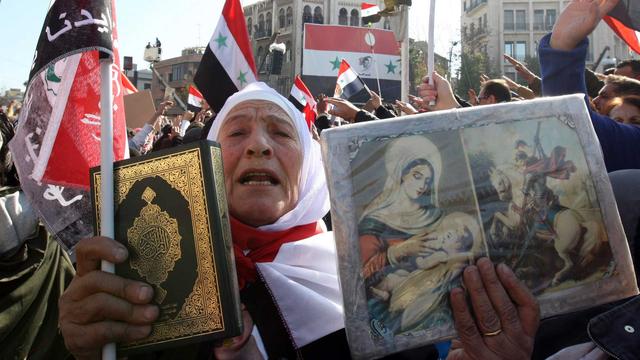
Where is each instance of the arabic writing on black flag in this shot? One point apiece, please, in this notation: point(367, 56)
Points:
point(58, 134)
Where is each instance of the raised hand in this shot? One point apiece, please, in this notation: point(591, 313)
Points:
point(406, 108)
point(440, 91)
point(342, 108)
point(577, 21)
point(522, 70)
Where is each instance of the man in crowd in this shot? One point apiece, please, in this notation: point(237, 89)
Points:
point(628, 68)
point(494, 91)
point(615, 86)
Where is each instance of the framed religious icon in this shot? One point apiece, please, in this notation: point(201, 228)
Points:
point(414, 200)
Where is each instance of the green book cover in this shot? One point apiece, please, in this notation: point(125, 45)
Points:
point(171, 213)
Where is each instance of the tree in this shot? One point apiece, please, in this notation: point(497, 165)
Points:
point(472, 65)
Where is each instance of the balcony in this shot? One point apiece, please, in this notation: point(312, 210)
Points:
point(474, 4)
point(519, 27)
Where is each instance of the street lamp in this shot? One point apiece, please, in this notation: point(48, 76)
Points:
point(453, 44)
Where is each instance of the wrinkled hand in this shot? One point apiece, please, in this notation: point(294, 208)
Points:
point(440, 92)
point(413, 246)
point(239, 347)
point(473, 97)
point(406, 108)
point(342, 108)
point(522, 70)
point(99, 308)
point(577, 21)
point(504, 317)
point(164, 106)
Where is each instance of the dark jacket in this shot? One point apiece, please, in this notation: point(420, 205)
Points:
point(563, 74)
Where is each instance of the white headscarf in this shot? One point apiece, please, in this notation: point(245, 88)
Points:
point(313, 197)
point(399, 154)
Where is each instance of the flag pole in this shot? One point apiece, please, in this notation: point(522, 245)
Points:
point(375, 60)
point(106, 171)
point(431, 49)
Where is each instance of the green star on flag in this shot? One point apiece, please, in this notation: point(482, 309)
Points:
point(221, 40)
point(336, 63)
point(390, 67)
point(242, 78)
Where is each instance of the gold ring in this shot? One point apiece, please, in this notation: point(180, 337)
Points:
point(492, 333)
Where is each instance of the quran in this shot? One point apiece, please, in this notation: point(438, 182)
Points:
point(414, 200)
point(171, 214)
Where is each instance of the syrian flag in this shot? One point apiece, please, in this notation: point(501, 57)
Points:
point(302, 99)
point(624, 19)
point(194, 102)
point(349, 83)
point(58, 134)
point(370, 13)
point(227, 65)
point(127, 86)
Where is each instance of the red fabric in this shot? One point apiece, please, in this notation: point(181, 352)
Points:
point(627, 34)
point(263, 246)
point(310, 109)
point(234, 17)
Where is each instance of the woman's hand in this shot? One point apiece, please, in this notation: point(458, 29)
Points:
point(504, 319)
point(99, 308)
point(440, 92)
point(240, 347)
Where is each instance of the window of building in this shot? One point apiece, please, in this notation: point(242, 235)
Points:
point(521, 20)
point(289, 16)
point(343, 17)
point(147, 86)
point(317, 15)
point(249, 26)
point(269, 22)
point(289, 53)
point(485, 20)
point(480, 22)
point(509, 21)
point(464, 32)
point(281, 19)
point(259, 55)
point(511, 75)
point(355, 18)
point(177, 71)
point(260, 26)
point(306, 14)
point(550, 19)
point(465, 5)
point(520, 50)
point(508, 48)
point(387, 23)
point(169, 77)
point(538, 20)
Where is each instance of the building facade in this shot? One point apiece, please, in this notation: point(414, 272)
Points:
point(177, 72)
point(287, 19)
point(515, 27)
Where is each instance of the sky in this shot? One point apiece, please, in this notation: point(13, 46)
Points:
point(178, 24)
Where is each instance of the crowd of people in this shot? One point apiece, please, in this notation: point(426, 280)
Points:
point(277, 195)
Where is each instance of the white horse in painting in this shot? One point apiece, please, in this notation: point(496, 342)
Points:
point(571, 234)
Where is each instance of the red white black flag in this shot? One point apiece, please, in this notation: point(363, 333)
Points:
point(227, 65)
point(194, 102)
point(303, 100)
point(624, 19)
point(58, 134)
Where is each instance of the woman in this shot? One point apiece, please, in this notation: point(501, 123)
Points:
point(399, 233)
point(286, 262)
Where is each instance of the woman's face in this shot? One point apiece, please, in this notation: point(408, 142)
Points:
point(626, 114)
point(416, 182)
point(262, 157)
